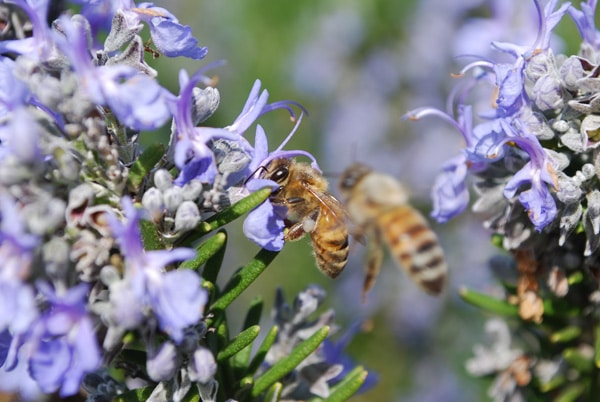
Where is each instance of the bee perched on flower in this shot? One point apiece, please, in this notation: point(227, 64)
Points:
point(532, 162)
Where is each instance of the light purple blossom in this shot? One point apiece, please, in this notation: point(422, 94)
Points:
point(39, 46)
point(136, 99)
point(17, 300)
point(63, 343)
point(170, 37)
point(539, 175)
point(202, 366)
point(13, 92)
point(162, 363)
point(175, 297)
point(449, 193)
point(584, 19)
point(193, 156)
point(334, 353)
point(100, 12)
point(20, 138)
point(264, 225)
point(506, 123)
point(17, 379)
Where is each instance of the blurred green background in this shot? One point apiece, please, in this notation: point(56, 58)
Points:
point(357, 66)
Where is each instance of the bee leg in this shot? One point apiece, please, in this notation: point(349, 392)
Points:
point(374, 260)
point(306, 225)
point(294, 232)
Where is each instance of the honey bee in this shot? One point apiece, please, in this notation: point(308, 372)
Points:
point(378, 205)
point(311, 209)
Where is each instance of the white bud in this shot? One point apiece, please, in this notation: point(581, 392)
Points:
point(163, 179)
point(172, 197)
point(187, 216)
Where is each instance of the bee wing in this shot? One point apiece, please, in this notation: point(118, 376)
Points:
point(330, 246)
point(415, 247)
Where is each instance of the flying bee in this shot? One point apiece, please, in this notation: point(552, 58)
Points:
point(311, 209)
point(378, 205)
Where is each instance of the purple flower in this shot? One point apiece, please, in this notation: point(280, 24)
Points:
point(509, 80)
point(17, 301)
point(100, 12)
point(584, 19)
point(170, 37)
point(63, 344)
point(333, 352)
point(538, 173)
point(449, 193)
point(20, 138)
point(175, 297)
point(16, 380)
point(193, 156)
point(510, 77)
point(162, 364)
point(264, 225)
point(13, 92)
point(202, 366)
point(540, 176)
point(137, 100)
point(39, 46)
point(508, 123)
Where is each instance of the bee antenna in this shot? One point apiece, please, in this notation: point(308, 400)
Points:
point(258, 169)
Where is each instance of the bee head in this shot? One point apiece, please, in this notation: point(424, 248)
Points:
point(351, 176)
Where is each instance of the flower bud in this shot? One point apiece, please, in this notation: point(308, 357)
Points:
point(172, 198)
point(187, 216)
point(163, 179)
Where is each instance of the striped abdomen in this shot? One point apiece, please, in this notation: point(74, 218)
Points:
point(330, 243)
point(414, 246)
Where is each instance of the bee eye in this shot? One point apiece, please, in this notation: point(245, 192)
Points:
point(348, 182)
point(280, 174)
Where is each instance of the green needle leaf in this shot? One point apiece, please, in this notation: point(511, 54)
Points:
point(289, 363)
point(254, 312)
point(150, 236)
point(264, 347)
point(553, 384)
point(242, 279)
point(566, 334)
point(489, 303)
point(238, 343)
point(570, 393)
point(253, 315)
point(274, 393)
point(228, 215)
point(578, 360)
point(215, 262)
point(575, 278)
point(597, 344)
point(239, 208)
point(343, 390)
point(144, 164)
point(205, 251)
